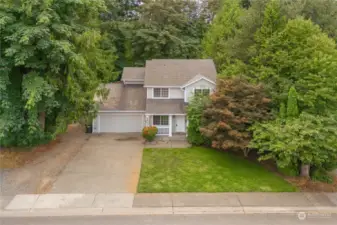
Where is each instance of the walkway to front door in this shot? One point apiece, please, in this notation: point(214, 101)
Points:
point(107, 163)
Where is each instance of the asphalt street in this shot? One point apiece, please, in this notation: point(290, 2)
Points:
point(232, 219)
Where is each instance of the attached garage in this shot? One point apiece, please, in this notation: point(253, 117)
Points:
point(118, 123)
point(123, 110)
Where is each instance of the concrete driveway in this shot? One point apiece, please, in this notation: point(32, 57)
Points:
point(107, 163)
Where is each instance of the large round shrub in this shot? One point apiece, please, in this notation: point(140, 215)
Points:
point(149, 133)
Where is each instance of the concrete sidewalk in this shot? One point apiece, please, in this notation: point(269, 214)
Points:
point(170, 203)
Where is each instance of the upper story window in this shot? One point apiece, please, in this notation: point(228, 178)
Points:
point(160, 92)
point(201, 91)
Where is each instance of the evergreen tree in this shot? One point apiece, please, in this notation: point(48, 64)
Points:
point(273, 21)
point(149, 29)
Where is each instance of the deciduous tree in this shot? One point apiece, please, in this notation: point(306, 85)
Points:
point(308, 140)
point(234, 107)
point(300, 55)
point(53, 59)
point(216, 42)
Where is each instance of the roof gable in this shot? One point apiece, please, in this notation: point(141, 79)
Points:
point(197, 78)
point(177, 72)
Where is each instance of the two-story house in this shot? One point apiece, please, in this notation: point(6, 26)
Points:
point(156, 94)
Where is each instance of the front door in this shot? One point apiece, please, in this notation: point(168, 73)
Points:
point(180, 124)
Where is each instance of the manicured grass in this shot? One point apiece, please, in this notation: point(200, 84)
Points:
point(199, 169)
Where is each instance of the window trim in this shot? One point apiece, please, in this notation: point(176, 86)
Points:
point(161, 97)
point(202, 89)
point(160, 120)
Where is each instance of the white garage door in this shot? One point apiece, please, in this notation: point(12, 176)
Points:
point(120, 123)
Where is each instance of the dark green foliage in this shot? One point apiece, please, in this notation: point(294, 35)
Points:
point(292, 106)
point(195, 110)
point(291, 170)
point(53, 59)
point(155, 29)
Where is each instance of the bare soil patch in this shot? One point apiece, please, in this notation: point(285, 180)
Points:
point(307, 185)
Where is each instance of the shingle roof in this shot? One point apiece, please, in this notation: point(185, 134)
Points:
point(133, 73)
point(176, 72)
point(114, 96)
point(133, 98)
point(165, 106)
point(124, 97)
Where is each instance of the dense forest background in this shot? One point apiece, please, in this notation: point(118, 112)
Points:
point(55, 54)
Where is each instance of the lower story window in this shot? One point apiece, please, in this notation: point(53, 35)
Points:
point(160, 120)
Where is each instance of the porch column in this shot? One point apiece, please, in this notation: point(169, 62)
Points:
point(170, 125)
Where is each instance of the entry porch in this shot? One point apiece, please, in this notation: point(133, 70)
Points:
point(167, 124)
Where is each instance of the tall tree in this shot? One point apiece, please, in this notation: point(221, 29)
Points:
point(168, 29)
point(216, 43)
point(239, 46)
point(53, 59)
point(303, 56)
point(148, 29)
point(321, 12)
point(118, 24)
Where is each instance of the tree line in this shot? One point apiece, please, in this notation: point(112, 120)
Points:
point(281, 54)
point(55, 54)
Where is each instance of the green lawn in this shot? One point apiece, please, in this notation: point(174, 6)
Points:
point(199, 169)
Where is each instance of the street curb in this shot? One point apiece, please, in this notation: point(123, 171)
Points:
point(166, 211)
